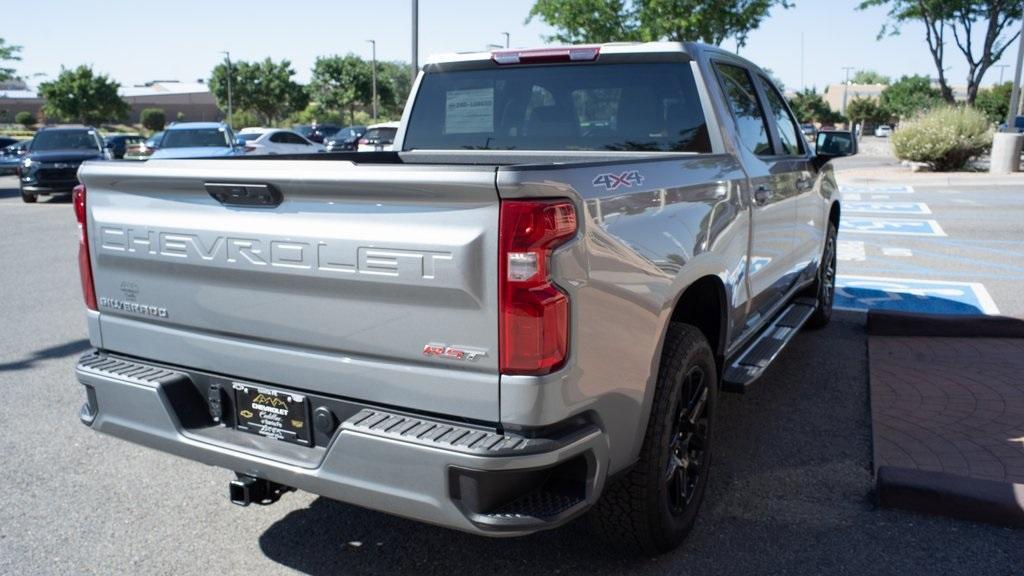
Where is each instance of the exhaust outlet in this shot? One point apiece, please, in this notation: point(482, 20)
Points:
point(246, 489)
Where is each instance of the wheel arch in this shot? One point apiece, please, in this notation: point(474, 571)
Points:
point(703, 303)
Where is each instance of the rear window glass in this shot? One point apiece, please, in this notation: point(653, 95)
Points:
point(249, 136)
point(627, 107)
point(195, 138)
point(384, 134)
point(66, 140)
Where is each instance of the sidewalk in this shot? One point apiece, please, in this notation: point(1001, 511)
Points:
point(947, 411)
point(902, 175)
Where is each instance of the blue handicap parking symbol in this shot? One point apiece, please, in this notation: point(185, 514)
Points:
point(910, 208)
point(891, 226)
point(904, 295)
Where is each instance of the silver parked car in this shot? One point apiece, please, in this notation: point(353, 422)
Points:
point(526, 311)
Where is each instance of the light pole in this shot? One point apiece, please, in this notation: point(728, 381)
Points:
point(227, 58)
point(415, 37)
point(1015, 92)
point(373, 43)
point(507, 37)
point(846, 88)
point(1002, 68)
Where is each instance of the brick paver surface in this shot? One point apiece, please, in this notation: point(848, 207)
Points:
point(949, 404)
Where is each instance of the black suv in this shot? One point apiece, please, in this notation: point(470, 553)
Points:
point(345, 140)
point(51, 163)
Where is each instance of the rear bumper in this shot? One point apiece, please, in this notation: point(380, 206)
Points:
point(456, 476)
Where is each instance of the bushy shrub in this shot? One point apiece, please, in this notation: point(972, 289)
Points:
point(945, 138)
point(25, 118)
point(153, 119)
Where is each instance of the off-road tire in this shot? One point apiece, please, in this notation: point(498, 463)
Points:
point(824, 288)
point(635, 513)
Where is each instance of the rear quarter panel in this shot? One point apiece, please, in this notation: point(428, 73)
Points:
point(638, 247)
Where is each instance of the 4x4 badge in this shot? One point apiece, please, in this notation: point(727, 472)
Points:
point(612, 181)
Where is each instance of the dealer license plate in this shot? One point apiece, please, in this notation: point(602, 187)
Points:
point(272, 413)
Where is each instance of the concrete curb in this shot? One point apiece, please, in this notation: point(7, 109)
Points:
point(885, 323)
point(945, 494)
point(932, 491)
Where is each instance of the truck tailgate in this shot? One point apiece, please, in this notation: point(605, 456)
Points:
point(335, 290)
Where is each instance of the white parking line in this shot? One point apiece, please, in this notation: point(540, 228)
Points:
point(876, 189)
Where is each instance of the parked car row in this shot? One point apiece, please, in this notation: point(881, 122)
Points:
point(48, 163)
point(11, 154)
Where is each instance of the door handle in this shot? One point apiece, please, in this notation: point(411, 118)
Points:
point(763, 194)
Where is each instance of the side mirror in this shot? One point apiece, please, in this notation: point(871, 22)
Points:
point(834, 144)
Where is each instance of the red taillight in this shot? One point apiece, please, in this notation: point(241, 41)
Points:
point(542, 55)
point(249, 149)
point(84, 266)
point(534, 317)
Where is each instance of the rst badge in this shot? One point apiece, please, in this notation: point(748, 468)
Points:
point(612, 181)
point(453, 352)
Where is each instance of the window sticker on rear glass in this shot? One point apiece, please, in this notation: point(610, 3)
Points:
point(469, 111)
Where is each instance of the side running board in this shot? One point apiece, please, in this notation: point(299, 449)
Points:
point(750, 363)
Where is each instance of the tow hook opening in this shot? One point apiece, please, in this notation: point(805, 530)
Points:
point(246, 489)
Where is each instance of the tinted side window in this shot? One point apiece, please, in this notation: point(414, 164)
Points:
point(290, 138)
point(789, 133)
point(742, 98)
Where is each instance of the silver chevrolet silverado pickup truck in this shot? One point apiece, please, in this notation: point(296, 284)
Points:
point(524, 313)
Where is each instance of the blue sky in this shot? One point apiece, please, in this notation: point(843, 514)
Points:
point(138, 41)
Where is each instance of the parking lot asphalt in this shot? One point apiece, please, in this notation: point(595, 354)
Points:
point(943, 249)
point(790, 490)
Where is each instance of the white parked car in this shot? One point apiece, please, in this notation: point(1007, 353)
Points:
point(883, 131)
point(379, 137)
point(259, 141)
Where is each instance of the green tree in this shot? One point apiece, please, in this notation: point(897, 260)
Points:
point(26, 119)
point(994, 102)
point(710, 21)
point(909, 96)
point(861, 110)
point(967, 21)
point(343, 83)
point(8, 53)
point(264, 88)
point(775, 79)
point(809, 106)
point(80, 95)
point(869, 77)
point(396, 76)
point(153, 119)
